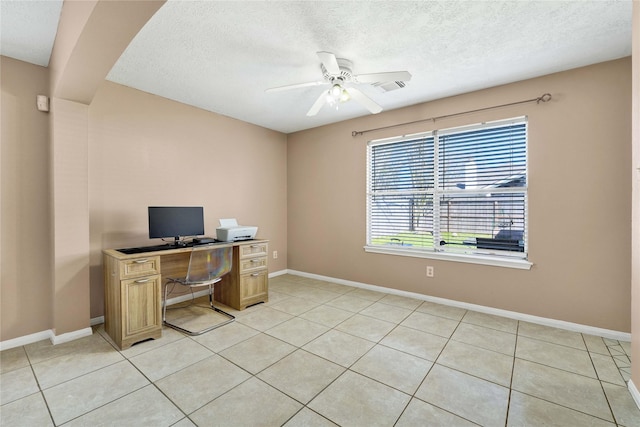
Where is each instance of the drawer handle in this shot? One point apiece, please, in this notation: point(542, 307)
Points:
point(255, 260)
point(255, 274)
point(142, 281)
point(255, 246)
point(141, 261)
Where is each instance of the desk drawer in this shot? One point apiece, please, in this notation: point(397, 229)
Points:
point(136, 267)
point(251, 250)
point(252, 264)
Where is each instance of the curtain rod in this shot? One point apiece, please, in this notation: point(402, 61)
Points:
point(543, 98)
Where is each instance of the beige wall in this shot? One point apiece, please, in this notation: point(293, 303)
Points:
point(579, 206)
point(25, 265)
point(635, 283)
point(145, 150)
point(92, 35)
point(69, 216)
point(142, 150)
point(138, 141)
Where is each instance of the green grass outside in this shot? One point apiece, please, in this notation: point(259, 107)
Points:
point(424, 239)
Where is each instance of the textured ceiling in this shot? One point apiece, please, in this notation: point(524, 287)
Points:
point(28, 29)
point(221, 56)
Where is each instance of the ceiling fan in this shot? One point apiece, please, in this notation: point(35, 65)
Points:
point(337, 73)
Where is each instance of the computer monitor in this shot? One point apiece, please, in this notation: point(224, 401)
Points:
point(175, 222)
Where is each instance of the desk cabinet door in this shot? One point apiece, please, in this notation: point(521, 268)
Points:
point(141, 305)
point(253, 287)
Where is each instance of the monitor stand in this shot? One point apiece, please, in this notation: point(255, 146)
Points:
point(179, 243)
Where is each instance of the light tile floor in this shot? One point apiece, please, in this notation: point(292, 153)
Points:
point(323, 354)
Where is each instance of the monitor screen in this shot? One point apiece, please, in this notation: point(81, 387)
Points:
point(175, 221)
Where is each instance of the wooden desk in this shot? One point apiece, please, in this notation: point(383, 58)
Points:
point(133, 286)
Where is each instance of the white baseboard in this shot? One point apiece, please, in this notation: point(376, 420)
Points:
point(96, 321)
point(48, 334)
point(278, 273)
point(187, 297)
point(634, 393)
point(70, 336)
point(26, 339)
point(575, 327)
point(561, 324)
point(182, 298)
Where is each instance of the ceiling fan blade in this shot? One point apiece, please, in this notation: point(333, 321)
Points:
point(363, 99)
point(318, 104)
point(330, 62)
point(391, 76)
point(295, 86)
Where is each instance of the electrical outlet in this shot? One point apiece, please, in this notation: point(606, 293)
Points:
point(275, 254)
point(430, 272)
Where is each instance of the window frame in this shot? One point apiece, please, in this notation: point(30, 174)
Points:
point(500, 259)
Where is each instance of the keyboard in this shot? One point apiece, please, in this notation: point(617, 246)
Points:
point(201, 242)
point(142, 249)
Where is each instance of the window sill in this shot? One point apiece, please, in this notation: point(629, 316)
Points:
point(467, 258)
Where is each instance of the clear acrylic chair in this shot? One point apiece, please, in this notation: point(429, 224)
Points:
point(206, 267)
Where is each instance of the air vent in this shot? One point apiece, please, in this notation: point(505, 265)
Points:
point(389, 86)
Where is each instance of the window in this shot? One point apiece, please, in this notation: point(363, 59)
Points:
point(460, 192)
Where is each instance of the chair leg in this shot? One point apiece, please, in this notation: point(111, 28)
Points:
point(230, 317)
point(164, 305)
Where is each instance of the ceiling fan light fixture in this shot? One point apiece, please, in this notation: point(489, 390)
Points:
point(336, 72)
point(330, 99)
point(344, 96)
point(336, 91)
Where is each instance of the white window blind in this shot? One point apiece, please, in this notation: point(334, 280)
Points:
point(458, 190)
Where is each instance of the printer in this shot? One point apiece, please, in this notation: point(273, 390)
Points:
point(230, 231)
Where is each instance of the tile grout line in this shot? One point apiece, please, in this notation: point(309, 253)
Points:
point(513, 370)
point(40, 390)
point(513, 366)
point(378, 343)
point(412, 396)
point(600, 382)
point(71, 379)
point(255, 376)
point(415, 310)
point(128, 360)
point(297, 348)
point(346, 369)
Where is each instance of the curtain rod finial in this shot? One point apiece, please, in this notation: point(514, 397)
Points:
point(544, 98)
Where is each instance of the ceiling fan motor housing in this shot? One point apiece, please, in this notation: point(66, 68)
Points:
point(337, 72)
point(345, 71)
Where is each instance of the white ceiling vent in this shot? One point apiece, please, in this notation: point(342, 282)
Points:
point(389, 86)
